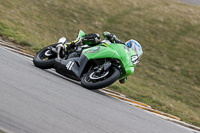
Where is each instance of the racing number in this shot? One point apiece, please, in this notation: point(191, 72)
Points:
point(69, 65)
point(134, 59)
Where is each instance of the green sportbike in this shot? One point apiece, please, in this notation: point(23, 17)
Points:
point(96, 67)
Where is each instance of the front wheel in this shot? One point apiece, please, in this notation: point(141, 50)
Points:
point(94, 80)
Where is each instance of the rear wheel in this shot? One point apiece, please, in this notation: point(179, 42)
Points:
point(44, 59)
point(94, 80)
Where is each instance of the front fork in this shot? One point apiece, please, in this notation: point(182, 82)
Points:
point(109, 62)
point(100, 69)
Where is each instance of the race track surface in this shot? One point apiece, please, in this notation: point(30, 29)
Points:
point(38, 101)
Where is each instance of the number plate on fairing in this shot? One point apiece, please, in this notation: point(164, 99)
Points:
point(134, 59)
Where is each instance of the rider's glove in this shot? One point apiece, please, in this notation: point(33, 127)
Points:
point(113, 38)
point(109, 36)
point(77, 42)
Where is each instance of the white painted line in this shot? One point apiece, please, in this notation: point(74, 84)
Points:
point(5, 130)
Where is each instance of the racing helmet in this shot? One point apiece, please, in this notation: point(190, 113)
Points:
point(135, 46)
point(92, 39)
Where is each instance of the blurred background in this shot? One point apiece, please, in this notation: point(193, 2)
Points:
point(168, 75)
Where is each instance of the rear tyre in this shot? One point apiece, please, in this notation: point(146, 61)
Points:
point(44, 59)
point(92, 81)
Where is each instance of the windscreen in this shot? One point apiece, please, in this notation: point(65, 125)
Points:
point(137, 48)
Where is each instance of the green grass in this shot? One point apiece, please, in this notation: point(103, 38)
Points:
point(168, 75)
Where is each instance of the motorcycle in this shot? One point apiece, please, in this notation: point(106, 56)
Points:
point(96, 67)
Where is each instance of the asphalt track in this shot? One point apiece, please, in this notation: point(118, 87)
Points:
point(38, 101)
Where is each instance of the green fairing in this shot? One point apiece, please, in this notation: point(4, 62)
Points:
point(113, 50)
point(80, 34)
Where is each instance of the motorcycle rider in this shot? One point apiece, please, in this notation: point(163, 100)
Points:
point(93, 39)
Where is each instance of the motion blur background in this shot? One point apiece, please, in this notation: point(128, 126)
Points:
point(168, 75)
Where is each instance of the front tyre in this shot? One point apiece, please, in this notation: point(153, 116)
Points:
point(91, 80)
point(44, 59)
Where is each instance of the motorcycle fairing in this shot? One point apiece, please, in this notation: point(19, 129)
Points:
point(113, 50)
point(72, 67)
